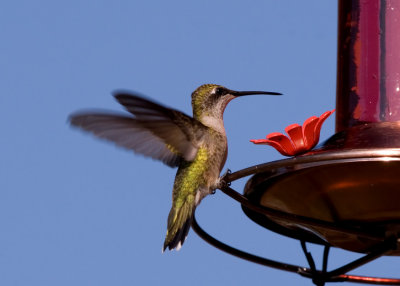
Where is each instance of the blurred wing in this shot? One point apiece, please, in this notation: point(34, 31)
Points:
point(155, 131)
point(128, 133)
point(180, 131)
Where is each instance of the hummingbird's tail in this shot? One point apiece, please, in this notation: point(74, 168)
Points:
point(179, 221)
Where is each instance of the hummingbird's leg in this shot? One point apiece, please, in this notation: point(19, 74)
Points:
point(224, 177)
point(222, 181)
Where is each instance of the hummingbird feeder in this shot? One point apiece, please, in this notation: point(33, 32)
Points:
point(346, 192)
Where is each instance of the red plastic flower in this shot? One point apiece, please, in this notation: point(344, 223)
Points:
point(301, 138)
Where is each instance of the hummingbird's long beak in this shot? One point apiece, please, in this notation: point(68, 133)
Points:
point(243, 93)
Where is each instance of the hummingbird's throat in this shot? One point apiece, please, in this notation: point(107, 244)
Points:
point(212, 116)
point(215, 123)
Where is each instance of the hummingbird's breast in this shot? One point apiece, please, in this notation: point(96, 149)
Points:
point(197, 178)
point(214, 147)
point(218, 150)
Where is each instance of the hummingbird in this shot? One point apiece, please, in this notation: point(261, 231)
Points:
point(196, 145)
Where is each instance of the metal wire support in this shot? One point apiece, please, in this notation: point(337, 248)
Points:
point(319, 277)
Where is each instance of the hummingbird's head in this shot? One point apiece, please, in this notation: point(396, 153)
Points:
point(210, 100)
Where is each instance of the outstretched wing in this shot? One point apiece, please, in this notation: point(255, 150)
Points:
point(155, 131)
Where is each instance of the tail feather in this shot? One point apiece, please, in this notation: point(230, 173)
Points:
point(179, 222)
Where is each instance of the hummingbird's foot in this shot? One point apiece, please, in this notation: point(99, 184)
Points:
point(225, 175)
point(222, 181)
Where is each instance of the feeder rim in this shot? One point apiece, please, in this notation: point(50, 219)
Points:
point(316, 158)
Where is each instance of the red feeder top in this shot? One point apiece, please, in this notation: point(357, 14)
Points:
point(301, 139)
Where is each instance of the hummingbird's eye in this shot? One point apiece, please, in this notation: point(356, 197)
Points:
point(219, 91)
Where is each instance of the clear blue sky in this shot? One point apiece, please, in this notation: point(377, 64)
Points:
point(78, 211)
